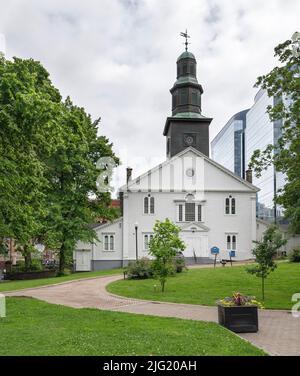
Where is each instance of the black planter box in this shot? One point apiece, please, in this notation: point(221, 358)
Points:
point(239, 319)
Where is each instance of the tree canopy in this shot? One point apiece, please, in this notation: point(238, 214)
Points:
point(49, 150)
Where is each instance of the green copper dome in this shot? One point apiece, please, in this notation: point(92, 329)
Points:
point(186, 55)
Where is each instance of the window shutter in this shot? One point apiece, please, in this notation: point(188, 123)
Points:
point(199, 213)
point(180, 216)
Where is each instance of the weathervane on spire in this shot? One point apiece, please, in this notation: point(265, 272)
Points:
point(186, 36)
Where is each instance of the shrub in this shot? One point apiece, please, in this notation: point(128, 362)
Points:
point(36, 265)
point(295, 256)
point(140, 269)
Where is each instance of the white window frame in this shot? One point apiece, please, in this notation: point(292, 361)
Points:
point(230, 198)
point(109, 248)
point(149, 235)
point(148, 197)
point(197, 204)
point(231, 242)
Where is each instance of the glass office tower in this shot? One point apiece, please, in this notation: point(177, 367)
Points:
point(228, 147)
point(259, 133)
point(240, 137)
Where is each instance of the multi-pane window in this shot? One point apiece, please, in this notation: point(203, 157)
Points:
point(109, 242)
point(147, 239)
point(189, 212)
point(231, 242)
point(230, 205)
point(149, 205)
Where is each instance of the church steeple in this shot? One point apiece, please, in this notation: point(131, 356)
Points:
point(187, 126)
point(186, 91)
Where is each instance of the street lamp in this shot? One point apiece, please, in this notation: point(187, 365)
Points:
point(136, 240)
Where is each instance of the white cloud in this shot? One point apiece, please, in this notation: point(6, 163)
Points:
point(117, 58)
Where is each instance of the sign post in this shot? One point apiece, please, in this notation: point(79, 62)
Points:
point(215, 251)
point(231, 254)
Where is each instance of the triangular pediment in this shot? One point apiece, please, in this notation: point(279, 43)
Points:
point(189, 170)
point(194, 226)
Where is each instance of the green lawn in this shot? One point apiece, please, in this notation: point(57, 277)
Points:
point(18, 285)
point(205, 286)
point(33, 327)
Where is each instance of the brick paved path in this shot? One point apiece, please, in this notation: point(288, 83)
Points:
point(279, 332)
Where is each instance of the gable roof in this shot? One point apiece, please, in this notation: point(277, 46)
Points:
point(179, 155)
point(96, 226)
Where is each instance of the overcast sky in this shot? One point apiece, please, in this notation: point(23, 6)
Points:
point(117, 58)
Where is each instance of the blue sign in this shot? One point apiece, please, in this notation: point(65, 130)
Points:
point(215, 250)
point(231, 253)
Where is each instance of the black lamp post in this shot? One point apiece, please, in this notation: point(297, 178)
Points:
point(136, 240)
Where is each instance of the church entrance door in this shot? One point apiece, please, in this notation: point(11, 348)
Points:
point(196, 244)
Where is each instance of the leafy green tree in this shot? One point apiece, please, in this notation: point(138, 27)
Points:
point(163, 246)
point(30, 123)
point(265, 252)
point(283, 83)
point(75, 200)
point(49, 150)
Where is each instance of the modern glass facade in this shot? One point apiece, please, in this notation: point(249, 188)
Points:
point(260, 132)
point(228, 147)
point(235, 144)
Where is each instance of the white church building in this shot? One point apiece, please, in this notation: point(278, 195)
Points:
point(212, 206)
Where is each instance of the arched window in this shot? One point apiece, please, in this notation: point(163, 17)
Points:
point(149, 205)
point(146, 242)
point(228, 242)
point(147, 239)
point(108, 242)
point(111, 243)
point(106, 245)
point(233, 242)
point(233, 206)
point(230, 205)
point(227, 205)
point(146, 205)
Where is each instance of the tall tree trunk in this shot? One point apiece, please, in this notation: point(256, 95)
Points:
point(62, 259)
point(27, 257)
point(263, 288)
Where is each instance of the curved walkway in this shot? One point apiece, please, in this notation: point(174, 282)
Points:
point(279, 331)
